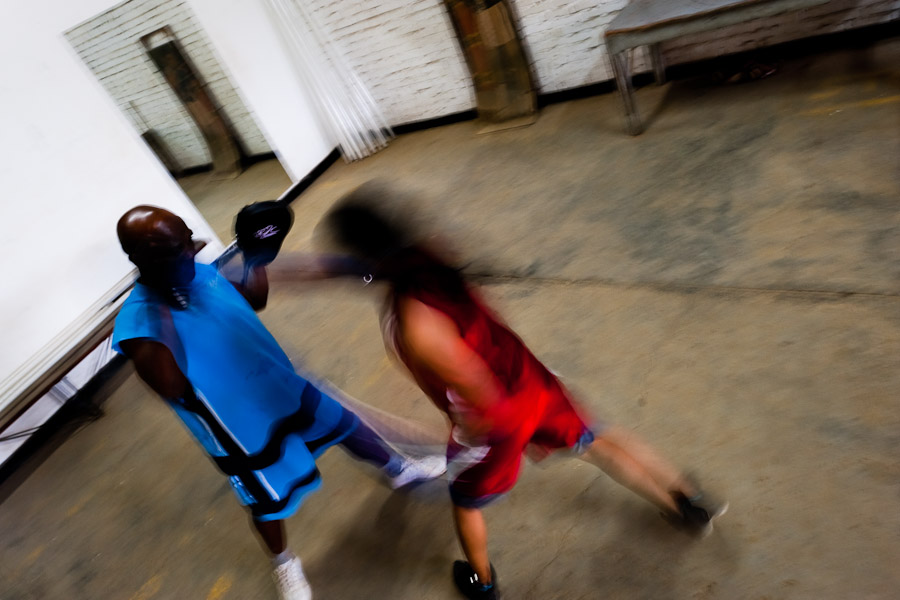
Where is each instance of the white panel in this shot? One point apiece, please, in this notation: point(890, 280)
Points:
point(70, 166)
point(244, 37)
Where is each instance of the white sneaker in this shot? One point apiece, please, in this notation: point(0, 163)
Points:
point(291, 582)
point(420, 469)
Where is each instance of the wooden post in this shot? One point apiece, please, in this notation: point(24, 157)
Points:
point(181, 76)
point(496, 60)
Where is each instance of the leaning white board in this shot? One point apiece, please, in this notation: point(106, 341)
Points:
point(70, 165)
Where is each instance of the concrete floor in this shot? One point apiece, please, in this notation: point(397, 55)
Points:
point(727, 285)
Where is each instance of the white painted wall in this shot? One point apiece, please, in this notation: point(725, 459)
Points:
point(70, 165)
point(248, 44)
point(109, 43)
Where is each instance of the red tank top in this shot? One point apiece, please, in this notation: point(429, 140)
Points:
point(514, 366)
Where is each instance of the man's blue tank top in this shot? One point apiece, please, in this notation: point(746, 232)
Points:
point(260, 421)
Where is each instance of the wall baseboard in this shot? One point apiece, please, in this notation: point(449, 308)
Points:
point(298, 188)
point(466, 115)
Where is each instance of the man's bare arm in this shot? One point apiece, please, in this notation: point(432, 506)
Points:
point(254, 286)
point(293, 267)
point(297, 266)
point(155, 364)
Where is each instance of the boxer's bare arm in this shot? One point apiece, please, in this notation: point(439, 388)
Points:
point(155, 364)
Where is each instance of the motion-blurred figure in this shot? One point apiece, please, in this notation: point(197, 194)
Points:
point(500, 399)
point(195, 339)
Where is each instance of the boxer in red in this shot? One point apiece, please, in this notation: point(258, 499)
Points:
point(500, 399)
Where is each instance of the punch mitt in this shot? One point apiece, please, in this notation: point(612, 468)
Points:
point(260, 229)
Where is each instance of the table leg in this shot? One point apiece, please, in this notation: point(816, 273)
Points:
point(659, 66)
point(622, 70)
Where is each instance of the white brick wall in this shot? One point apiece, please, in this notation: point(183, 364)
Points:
point(110, 46)
point(405, 52)
point(564, 40)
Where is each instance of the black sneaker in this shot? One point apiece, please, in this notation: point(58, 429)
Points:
point(467, 582)
point(693, 517)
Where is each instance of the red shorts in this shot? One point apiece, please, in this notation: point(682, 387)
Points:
point(544, 416)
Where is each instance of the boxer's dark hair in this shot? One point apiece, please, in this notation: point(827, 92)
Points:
point(391, 251)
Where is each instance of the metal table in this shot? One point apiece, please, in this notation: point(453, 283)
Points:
point(649, 22)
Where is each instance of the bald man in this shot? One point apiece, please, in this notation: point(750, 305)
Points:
point(195, 339)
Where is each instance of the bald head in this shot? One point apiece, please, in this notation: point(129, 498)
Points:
point(160, 244)
point(144, 227)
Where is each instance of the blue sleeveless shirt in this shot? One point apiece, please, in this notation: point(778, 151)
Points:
point(259, 420)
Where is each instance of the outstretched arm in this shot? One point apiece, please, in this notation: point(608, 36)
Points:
point(293, 267)
point(298, 266)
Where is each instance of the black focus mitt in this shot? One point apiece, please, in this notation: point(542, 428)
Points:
point(260, 229)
